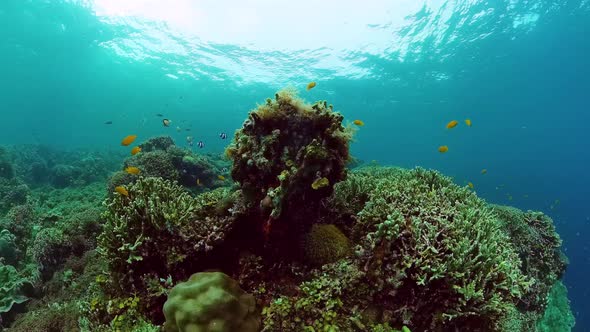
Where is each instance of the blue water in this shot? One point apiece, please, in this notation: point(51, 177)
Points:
point(520, 70)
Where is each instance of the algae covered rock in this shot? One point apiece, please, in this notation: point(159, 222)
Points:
point(282, 149)
point(210, 302)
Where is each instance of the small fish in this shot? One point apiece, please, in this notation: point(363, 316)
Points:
point(160, 115)
point(132, 170)
point(199, 182)
point(224, 170)
point(359, 123)
point(189, 140)
point(166, 122)
point(443, 148)
point(468, 122)
point(525, 196)
point(470, 185)
point(178, 129)
point(122, 191)
point(484, 171)
point(221, 177)
point(135, 150)
point(223, 135)
point(320, 183)
point(128, 140)
point(201, 144)
point(109, 123)
point(187, 129)
point(311, 85)
point(452, 124)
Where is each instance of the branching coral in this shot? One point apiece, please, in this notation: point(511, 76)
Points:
point(436, 253)
point(539, 247)
point(160, 230)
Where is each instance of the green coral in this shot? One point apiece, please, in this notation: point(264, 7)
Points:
point(558, 316)
point(324, 244)
point(13, 288)
point(326, 302)
point(420, 234)
point(159, 231)
point(210, 302)
point(6, 168)
point(537, 243)
point(8, 251)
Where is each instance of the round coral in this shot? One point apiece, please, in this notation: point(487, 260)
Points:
point(325, 244)
point(210, 302)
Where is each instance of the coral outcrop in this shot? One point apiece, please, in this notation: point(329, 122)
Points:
point(282, 148)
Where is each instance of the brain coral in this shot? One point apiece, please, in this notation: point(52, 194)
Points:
point(210, 302)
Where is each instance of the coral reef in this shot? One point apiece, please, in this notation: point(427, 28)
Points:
point(8, 251)
point(283, 147)
point(160, 157)
point(539, 247)
point(431, 247)
point(12, 192)
point(304, 240)
point(210, 301)
point(558, 316)
point(6, 168)
point(160, 231)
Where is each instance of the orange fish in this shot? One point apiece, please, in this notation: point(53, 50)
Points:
point(359, 123)
point(135, 150)
point(452, 124)
point(443, 148)
point(468, 122)
point(128, 140)
point(132, 170)
point(311, 85)
point(122, 191)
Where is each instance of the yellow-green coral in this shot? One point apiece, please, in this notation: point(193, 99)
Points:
point(421, 233)
point(324, 244)
point(210, 302)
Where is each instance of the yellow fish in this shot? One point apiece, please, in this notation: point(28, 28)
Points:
point(484, 171)
point(135, 150)
point(468, 122)
point(452, 124)
point(199, 182)
point(221, 177)
point(443, 148)
point(359, 123)
point(470, 185)
point(310, 85)
point(320, 183)
point(122, 191)
point(132, 170)
point(128, 140)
